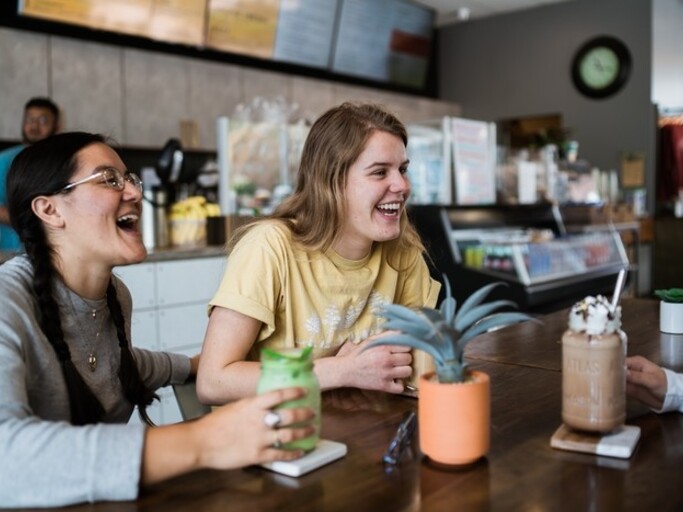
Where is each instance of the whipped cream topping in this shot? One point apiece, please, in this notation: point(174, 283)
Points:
point(594, 316)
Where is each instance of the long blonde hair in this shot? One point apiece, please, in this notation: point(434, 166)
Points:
point(315, 211)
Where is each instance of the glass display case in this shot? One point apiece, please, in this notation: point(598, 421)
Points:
point(527, 248)
point(529, 257)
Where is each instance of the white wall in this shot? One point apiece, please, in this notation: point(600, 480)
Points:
point(518, 65)
point(139, 97)
point(667, 58)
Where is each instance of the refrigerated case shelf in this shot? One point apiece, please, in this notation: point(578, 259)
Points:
point(530, 263)
point(527, 248)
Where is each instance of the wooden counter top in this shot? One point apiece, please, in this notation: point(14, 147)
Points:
point(521, 472)
point(166, 254)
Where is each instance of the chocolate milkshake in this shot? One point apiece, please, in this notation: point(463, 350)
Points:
point(593, 367)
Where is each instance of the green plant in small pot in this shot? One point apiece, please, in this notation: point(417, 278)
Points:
point(671, 310)
point(454, 401)
point(674, 295)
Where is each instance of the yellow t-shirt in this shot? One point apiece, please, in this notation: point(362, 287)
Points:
point(317, 299)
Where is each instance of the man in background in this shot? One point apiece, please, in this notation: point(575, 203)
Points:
point(41, 119)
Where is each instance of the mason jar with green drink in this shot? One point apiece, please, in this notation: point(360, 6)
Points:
point(288, 368)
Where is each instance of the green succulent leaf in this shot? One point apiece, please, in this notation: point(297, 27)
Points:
point(447, 309)
point(670, 295)
point(405, 340)
point(491, 322)
point(414, 323)
point(479, 312)
point(443, 333)
point(423, 330)
point(452, 372)
point(476, 298)
point(433, 315)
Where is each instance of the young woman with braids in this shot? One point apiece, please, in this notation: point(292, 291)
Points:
point(69, 378)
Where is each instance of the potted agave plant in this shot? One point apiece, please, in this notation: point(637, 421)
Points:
point(453, 401)
point(671, 310)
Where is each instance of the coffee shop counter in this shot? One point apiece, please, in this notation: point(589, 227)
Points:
point(184, 253)
point(163, 254)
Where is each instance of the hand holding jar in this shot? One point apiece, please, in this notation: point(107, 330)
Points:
point(292, 368)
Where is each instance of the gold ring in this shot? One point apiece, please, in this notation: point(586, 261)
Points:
point(277, 444)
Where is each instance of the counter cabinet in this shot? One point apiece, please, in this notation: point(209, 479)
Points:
point(169, 312)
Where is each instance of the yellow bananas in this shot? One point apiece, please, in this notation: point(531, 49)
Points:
point(188, 220)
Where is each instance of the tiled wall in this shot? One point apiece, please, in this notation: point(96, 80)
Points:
point(139, 97)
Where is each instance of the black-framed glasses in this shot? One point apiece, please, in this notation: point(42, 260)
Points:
point(111, 177)
point(42, 120)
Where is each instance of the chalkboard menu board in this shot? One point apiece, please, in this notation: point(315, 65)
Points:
point(383, 41)
point(177, 21)
point(283, 30)
point(386, 40)
point(304, 35)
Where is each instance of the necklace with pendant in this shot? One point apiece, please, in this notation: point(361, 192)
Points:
point(92, 356)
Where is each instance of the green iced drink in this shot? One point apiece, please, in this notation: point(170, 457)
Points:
point(292, 368)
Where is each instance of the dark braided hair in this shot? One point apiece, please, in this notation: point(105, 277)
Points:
point(42, 169)
point(135, 390)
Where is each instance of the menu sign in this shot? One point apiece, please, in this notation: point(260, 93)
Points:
point(296, 31)
point(180, 21)
point(177, 21)
point(304, 32)
point(125, 16)
point(243, 26)
point(387, 40)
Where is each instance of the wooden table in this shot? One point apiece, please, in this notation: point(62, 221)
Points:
point(537, 344)
point(521, 472)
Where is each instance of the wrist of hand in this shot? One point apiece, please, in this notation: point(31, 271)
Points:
point(332, 372)
point(673, 393)
point(198, 454)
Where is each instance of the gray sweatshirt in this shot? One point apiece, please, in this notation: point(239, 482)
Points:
point(46, 461)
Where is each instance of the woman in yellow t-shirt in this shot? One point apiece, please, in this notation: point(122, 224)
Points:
point(316, 271)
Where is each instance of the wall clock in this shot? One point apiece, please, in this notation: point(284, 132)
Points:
point(601, 67)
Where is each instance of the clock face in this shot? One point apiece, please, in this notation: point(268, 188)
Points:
point(601, 67)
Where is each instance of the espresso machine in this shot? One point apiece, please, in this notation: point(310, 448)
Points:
point(159, 193)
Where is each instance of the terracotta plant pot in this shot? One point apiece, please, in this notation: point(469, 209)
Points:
point(454, 419)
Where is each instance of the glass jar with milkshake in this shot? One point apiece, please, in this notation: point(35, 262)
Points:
point(594, 367)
